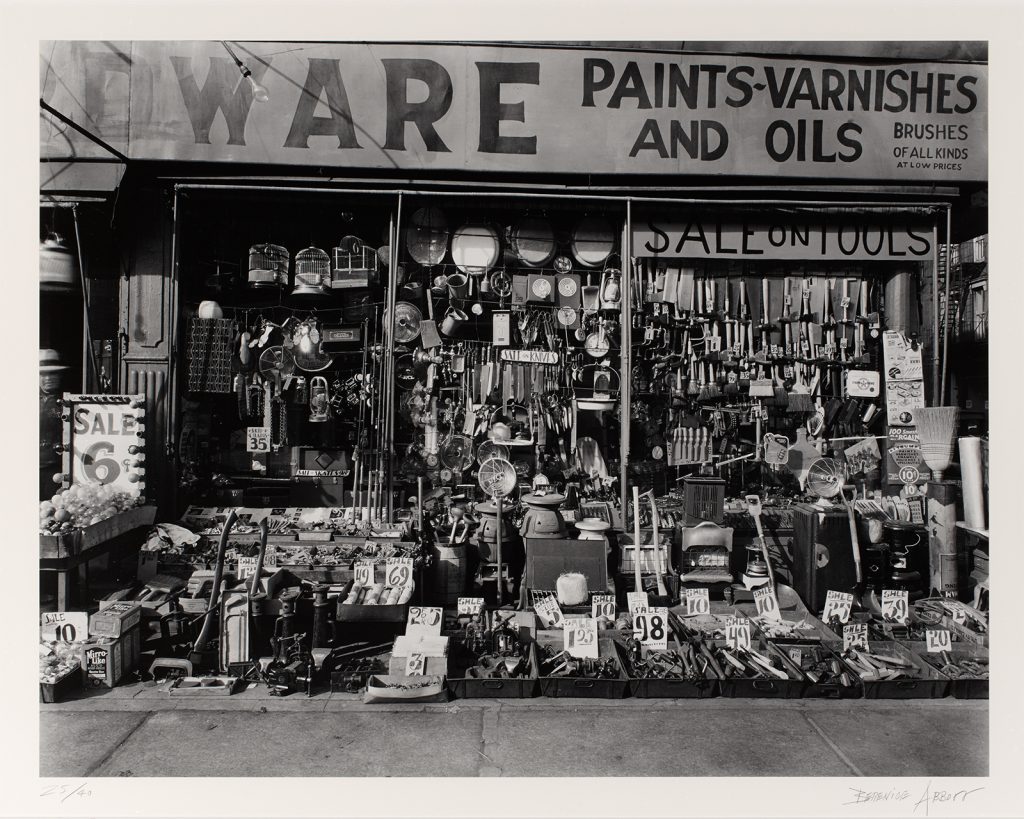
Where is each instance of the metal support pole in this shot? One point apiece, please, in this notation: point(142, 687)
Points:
point(625, 355)
point(88, 354)
point(946, 315)
point(936, 398)
point(393, 287)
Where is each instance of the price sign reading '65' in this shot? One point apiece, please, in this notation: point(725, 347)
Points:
point(103, 441)
point(398, 571)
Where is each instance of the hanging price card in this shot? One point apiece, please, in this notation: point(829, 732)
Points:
point(270, 558)
point(398, 571)
point(956, 612)
point(415, 665)
point(63, 626)
point(364, 572)
point(580, 637)
point(471, 605)
point(738, 635)
point(427, 617)
point(697, 602)
point(602, 605)
point(896, 606)
point(938, 639)
point(855, 636)
point(651, 627)
point(549, 612)
point(257, 439)
point(637, 600)
point(837, 604)
point(246, 567)
point(767, 604)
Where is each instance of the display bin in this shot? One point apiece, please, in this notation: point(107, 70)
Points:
point(612, 689)
point(80, 540)
point(824, 690)
point(672, 689)
point(62, 688)
point(962, 688)
point(512, 688)
point(369, 614)
point(790, 689)
point(930, 685)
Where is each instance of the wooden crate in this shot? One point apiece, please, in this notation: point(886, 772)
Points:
point(81, 540)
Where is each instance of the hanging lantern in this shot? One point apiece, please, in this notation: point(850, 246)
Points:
point(319, 400)
point(57, 268)
point(312, 272)
point(268, 266)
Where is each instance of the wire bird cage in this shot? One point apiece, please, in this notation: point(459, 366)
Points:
point(312, 271)
point(268, 266)
point(353, 264)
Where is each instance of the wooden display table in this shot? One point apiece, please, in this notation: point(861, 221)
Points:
point(65, 553)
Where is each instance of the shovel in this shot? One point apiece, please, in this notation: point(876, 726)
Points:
point(428, 327)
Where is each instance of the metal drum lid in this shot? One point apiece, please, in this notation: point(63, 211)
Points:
point(426, 237)
point(533, 241)
point(475, 248)
point(593, 241)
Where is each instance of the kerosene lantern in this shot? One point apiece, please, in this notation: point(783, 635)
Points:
point(319, 400)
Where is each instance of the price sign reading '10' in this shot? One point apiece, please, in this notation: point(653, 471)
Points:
point(398, 571)
point(63, 626)
point(697, 602)
point(103, 441)
point(767, 603)
point(603, 605)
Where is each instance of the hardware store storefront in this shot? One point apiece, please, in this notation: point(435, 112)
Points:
point(524, 365)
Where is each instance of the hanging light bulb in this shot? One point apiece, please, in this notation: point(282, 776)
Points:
point(259, 92)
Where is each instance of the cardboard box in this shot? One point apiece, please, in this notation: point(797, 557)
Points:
point(115, 619)
point(107, 661)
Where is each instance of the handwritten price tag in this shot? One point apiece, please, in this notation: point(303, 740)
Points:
point(415, 665)
point(855, 636)
point(580, 637)
point(398, 571)
point(63, 626)
point(697, 602)
point(738, 635)
point(549, 612)
point(603, 605)
point(938, 639)
point(270, 558)
point(767, 604)
point(896, 606)
point(637, 601)
point(429, 617)
point(246, 567)
point(471, 605)
point(364, 572)
point(837, 604)
point(957, 613)
point(257, 439)
point(651, 627)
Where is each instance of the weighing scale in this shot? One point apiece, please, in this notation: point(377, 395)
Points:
point(497, 478)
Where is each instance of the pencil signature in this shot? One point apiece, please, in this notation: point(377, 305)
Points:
point(65, 792)
point(921, 804)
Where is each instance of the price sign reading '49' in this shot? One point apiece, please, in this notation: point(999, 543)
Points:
point(104, 441)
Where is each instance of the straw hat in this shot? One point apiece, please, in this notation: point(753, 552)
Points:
point(49, 361)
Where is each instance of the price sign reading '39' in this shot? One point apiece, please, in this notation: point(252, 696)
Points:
point(103, 443)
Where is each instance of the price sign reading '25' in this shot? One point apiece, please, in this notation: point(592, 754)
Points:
point(103, 441)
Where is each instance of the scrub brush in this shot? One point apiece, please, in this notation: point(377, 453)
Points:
point(800, 397)
point(693, 388)
point(781, 397)
point(714, 391)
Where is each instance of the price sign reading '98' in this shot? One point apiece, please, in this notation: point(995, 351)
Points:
point(398, 572)
point(650, 627)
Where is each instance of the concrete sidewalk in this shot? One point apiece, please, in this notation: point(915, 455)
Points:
point(138, 731)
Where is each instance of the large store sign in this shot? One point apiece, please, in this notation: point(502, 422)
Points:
point(808, 238)
point(483, 108)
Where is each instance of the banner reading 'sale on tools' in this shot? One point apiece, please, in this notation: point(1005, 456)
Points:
point(521, 109)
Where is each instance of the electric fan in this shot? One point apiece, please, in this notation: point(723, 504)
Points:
point(407, 322)
point(457, 452)
point(490, 449)
point(827, 479)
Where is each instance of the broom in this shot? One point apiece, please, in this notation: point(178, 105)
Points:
point(937, 428)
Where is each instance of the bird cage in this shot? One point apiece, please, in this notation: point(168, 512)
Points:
point(268, 266)
point(353, 264)
point(312, 272)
